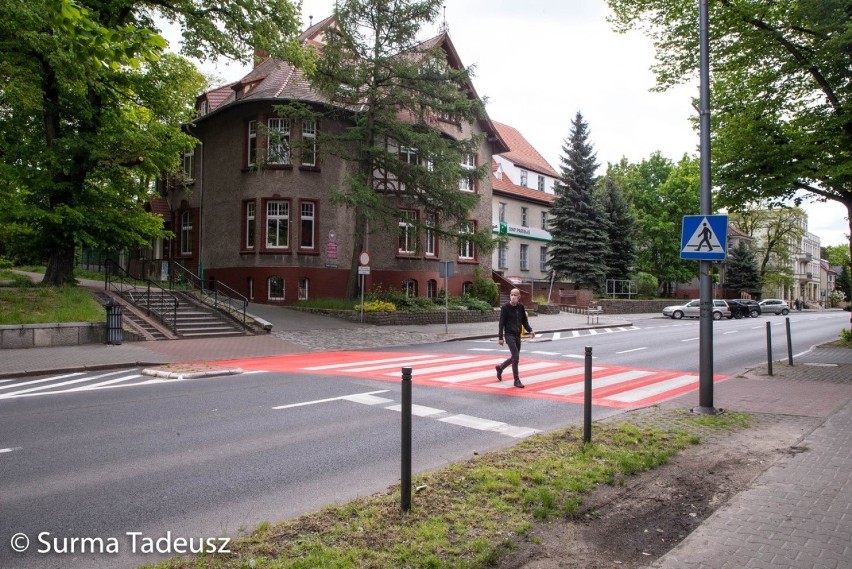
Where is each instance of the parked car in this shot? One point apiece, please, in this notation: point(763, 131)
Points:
point(738, 308)
point(751, 307)
point(775, 306)
point(692, 309)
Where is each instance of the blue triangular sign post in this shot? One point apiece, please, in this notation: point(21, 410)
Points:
point(704, 237)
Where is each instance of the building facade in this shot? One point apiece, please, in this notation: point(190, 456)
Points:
point(523, 192)
point(256, 213)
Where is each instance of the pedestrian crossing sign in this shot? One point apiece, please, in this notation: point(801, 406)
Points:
point(704, 237)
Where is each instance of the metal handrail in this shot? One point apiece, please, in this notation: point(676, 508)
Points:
point(121, 282)
point(221, 296)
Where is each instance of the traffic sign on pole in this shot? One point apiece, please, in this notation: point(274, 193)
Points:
point(704, 237)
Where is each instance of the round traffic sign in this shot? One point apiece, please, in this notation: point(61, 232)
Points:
point(364, 258)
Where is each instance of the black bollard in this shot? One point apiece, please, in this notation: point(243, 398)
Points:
point(769, 347)
point(587, 398)
point(789, 344)
point(405, 478)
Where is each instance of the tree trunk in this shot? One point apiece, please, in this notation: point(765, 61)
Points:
point(357, 248)
point(60, 265)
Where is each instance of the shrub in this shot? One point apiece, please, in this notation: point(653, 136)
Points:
point(484, 289)
point(846, 336)
point(376, 306)
point(646, 284)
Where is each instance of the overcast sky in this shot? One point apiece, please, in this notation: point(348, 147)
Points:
point(538, 62)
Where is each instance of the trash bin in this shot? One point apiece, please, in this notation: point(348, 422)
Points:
point(114, 333)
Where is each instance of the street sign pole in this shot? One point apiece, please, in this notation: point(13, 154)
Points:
point(705, 364)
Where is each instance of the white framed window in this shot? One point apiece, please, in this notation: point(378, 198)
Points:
point(307, 225)
point(186, 233)
point(250, 225)
point(541, 183)
point(251, 150)
point(544, 220)
point(277, 224)
point(501, 212)
point(430, 247)
point(408, 155)
point(309, 143)
point(250, 287)
point(525, 257)
point(278, 141)
point(407, 232)
point(466, 183)
point(409, 286)
point(524, 175)
point(466, 248)
point(431, 288)
point(502, 257)
point(525, 216)
point(275, 288)
point(304, 285)
point(542, 265)
point(187, 166)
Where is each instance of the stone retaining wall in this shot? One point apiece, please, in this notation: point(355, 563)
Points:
point(617, 306)
point(44, 335)
point(406, 318)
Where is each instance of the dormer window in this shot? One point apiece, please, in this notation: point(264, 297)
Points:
point(524, 175)
point(203, 108)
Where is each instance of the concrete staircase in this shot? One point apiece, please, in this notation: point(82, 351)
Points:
point(192, 319)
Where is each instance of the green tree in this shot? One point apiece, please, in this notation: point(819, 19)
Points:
point(621, 229)
point(780, 86)
point(844, 282)
point(741, 273)
point(836, 255)
point(662, 192)
point(393, 89)
point(93, 107)
point(776, 234)
point(579, 247)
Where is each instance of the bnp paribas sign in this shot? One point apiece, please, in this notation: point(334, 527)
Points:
point(503, 228)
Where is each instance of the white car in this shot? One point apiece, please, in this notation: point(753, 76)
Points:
point(775, 306)
point(692, 309)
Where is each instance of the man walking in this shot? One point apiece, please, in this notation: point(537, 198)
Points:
point(513, 316)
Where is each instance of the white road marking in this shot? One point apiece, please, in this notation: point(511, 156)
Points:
point(34, 381)
point(633, 350)
point(102, 384)
point(488, 425)
point(396, 366)
point(730, 332)
point(479, 374)
point(443, 368)
point(60, 384)
point(10, 449)
point(419, 410)
point(545, 353)
point(689, 339)
point(579, 387)
point(529, 380)
point(387, 360)
point(344, 397)
point(654, 389)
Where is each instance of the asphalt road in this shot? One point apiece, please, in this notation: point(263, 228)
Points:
point(208, 458)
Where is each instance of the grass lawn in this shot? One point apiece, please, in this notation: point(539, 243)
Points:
point(24, 302)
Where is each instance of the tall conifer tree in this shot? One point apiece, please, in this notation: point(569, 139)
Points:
point(579, 245)
point(621, 229)
point(396, 92)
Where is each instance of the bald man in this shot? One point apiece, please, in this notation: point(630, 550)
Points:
point(513, 315)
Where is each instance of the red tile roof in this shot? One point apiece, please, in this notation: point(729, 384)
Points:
point(522, 153)
point(160, 206)
point(504, 186)
point(274, 78)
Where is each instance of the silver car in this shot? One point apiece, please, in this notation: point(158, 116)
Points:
point(775, 306)
point(692, 309)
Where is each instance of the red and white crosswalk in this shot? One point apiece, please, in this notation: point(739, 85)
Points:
point(612, 386)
